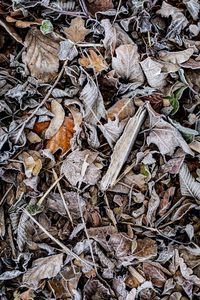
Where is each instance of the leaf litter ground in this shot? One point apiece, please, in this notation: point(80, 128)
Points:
point(99, 149)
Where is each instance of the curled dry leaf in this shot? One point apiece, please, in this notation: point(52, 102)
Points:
point(9, 28)
point(165, 136)
point(112, 130)
point(57, 121)
point(153, 72)
point(46, 267)
point(32, 162)
point(77, 31)
point(94, 289)
point(41, 55)
point(61, 140)
point(122, 109)
point(93, 60)
point(126, 63)
point(74, 164)
point(176, 57)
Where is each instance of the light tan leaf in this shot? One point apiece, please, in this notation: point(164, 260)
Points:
point(77, 31)
point(61, 140)
point(178, 57)
point(46, 267)
point(122, 109)
point(32, 162)
point(41, 55)
point(57, 121)
point(153, 72)
point(112, 130)
point(72, 167)
point(92, 60)
point(126, 63)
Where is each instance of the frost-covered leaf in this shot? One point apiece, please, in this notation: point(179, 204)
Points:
point(67, 50)
point(112, 130)
point(8, 275)
point(93, 60)
point(165, 136)
point(41, 55)
point(189, 186)
point(193, 7)
point(126, 63)
point(178, 57)
point(93, 102)
point(46, 27)
point(56, 122)
point(154, 274)
point(146, 248)
point(45, 267)
point(77, 31)
point(74, 163)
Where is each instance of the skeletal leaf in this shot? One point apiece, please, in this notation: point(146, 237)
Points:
point(61, 140)
point(126, 63)
point(92, 60)
point(45, 267)
point(77, 31)
point(41, 55)
point(57, 121)
point(93, 102)
point(189, 186)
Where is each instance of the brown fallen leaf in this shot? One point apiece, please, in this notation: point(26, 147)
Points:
point(122, 109)
point(41, 55)
point(92, 60)
point(8, 27)
point(99, 5)
point(39, 127)
point(21, 23)
point(154, 274)
point(77, 31)
point(61, 140)
point(146, 248)
point(57, 120)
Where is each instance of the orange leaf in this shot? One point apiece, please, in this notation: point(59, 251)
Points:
point(39, 127)
point(93, 60)
point(61, 140)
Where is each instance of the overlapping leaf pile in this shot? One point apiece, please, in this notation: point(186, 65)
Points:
point(99, 150)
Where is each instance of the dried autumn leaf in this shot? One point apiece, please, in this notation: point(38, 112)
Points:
point(73, 164)
point(92, 60)
point(145, 249)
point(126, 63)
point(189, 186)
point(45, 267)
point(122, 109)
point(9, 28)
point(99, 5)
point(39, 127)
point(41, 55)
point(56, 122)
point(154, 274)
point(178, 57)
point(77, 31)
point(61, 140)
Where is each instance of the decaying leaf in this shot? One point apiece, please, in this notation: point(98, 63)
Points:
point(74, 164)
point(93, 60)
point(112, 131)
point(189, 186)
point(99, 5)
point(9, 28)
point(41, 55)
point(61, 140)
point(164, 135)
point(146, 248)
point(57, 121)
point(176, 57)
point(122, 109)
point(154, 274)
point(46, 267)
point(126, 63)
point(77, 31)
point(93, 102)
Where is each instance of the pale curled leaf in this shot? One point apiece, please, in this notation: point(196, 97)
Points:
point(93, 102)
point(46, 267)
point(41, 55)
point(153, 72)
point(165, 136)
point(189, 186)
point(126, 63)
point(112, 130)
point(178, 57)
point(56, 122)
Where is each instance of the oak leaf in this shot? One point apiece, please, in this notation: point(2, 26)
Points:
point(61, 140)
point(92, 60)
point(77, 31)
point(41, 55)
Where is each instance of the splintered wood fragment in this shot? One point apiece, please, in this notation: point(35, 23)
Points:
point(123, 148)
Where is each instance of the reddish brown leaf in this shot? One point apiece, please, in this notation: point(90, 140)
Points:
point(146, 248)
point(154, 274)
point(61, 140)
point(39, 127)
point(99, 5)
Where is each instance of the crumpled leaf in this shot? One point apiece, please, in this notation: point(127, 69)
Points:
point(77, 31)
point(93, 102)
point(74, 163)
point(61, 140)
point(126, 63)
point(45, 267)
point(9, 28)
point(92, 60)
point(32, 162)
point(165, 136)
point(112, 130)
point(8, 275)
point(155, 275)
point(189, 186)
point(56, 122)
point(153, 72)
point(193, 6)
point(67, 50)
point(41, 55)
point(94, 289)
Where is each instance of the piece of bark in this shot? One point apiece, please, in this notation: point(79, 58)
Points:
point(123, 148)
